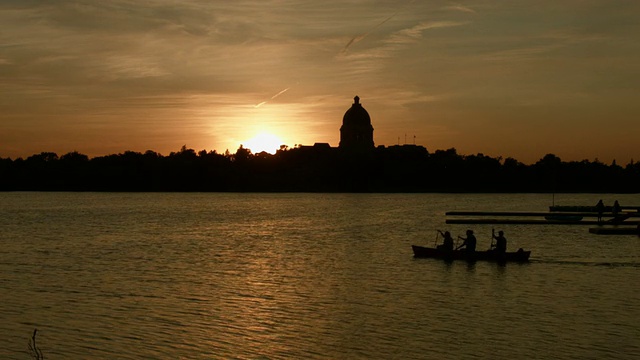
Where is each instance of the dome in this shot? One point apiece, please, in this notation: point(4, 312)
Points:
point(356, 115)
point(356, 131)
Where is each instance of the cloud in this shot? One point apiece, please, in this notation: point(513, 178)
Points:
point(404, 97)
point(412, 34)
point(129, 66)
point(534, 47)
point(370, 60)
point(519, 54)
point(459, 7)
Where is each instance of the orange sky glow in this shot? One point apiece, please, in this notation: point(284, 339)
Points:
point(510, 79)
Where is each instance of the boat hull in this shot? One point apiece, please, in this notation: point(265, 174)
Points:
point(427, 252)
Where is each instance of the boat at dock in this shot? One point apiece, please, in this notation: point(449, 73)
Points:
point(592, 209)
point(489, 255)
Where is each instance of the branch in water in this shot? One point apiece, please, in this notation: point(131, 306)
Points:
point(34, 350)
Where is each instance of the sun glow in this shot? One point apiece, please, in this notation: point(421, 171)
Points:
point(263, 142)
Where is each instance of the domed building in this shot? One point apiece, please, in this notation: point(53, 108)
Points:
point(356, 132)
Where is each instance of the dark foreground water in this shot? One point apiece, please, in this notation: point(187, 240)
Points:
point(305, 276)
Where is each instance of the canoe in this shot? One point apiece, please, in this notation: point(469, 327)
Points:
point(427, 252)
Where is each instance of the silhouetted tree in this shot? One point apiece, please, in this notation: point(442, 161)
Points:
point(74, 157)
point(313, 168)
point(242, 154)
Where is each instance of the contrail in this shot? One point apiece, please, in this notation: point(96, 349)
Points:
point(273, 97)
point(358, 38)
point(280, 93)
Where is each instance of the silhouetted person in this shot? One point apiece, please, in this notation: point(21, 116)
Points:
point(616, 208)
point(501, 243)
point(447, 242)
point(600, 210)
point(469, 243)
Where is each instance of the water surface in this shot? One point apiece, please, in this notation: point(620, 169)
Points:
point(313, 276)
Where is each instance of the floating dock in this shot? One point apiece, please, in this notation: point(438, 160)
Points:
point(541, 218)
point(602, 230)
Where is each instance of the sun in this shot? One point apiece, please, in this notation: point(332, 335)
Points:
point(263, 142)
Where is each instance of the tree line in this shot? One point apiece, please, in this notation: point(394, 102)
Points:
point(313, 169)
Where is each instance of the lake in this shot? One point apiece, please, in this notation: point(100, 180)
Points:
point(306, 276)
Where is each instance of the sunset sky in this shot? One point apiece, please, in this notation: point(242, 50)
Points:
point(504, 78)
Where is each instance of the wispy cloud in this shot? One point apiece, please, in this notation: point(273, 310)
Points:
point(128, 66)
point(526, 48)
point(458, 7)
point(371, 59)
point(403, 97)
point(414, 33)
point(519, 54)
point(360, 37)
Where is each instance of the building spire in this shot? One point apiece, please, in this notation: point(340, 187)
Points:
point(356, 100)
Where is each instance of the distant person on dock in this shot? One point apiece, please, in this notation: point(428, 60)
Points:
point(600, 210)
point(469, 243)
point(616, 208)
point(447, 241)
point(501, 243)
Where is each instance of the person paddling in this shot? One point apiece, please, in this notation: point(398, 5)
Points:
point(447, 241)
point(501, 243)
point(469, 243)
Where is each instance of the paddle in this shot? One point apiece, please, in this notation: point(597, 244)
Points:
point(493, 236)
point(458, 241)
point(436, 242)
